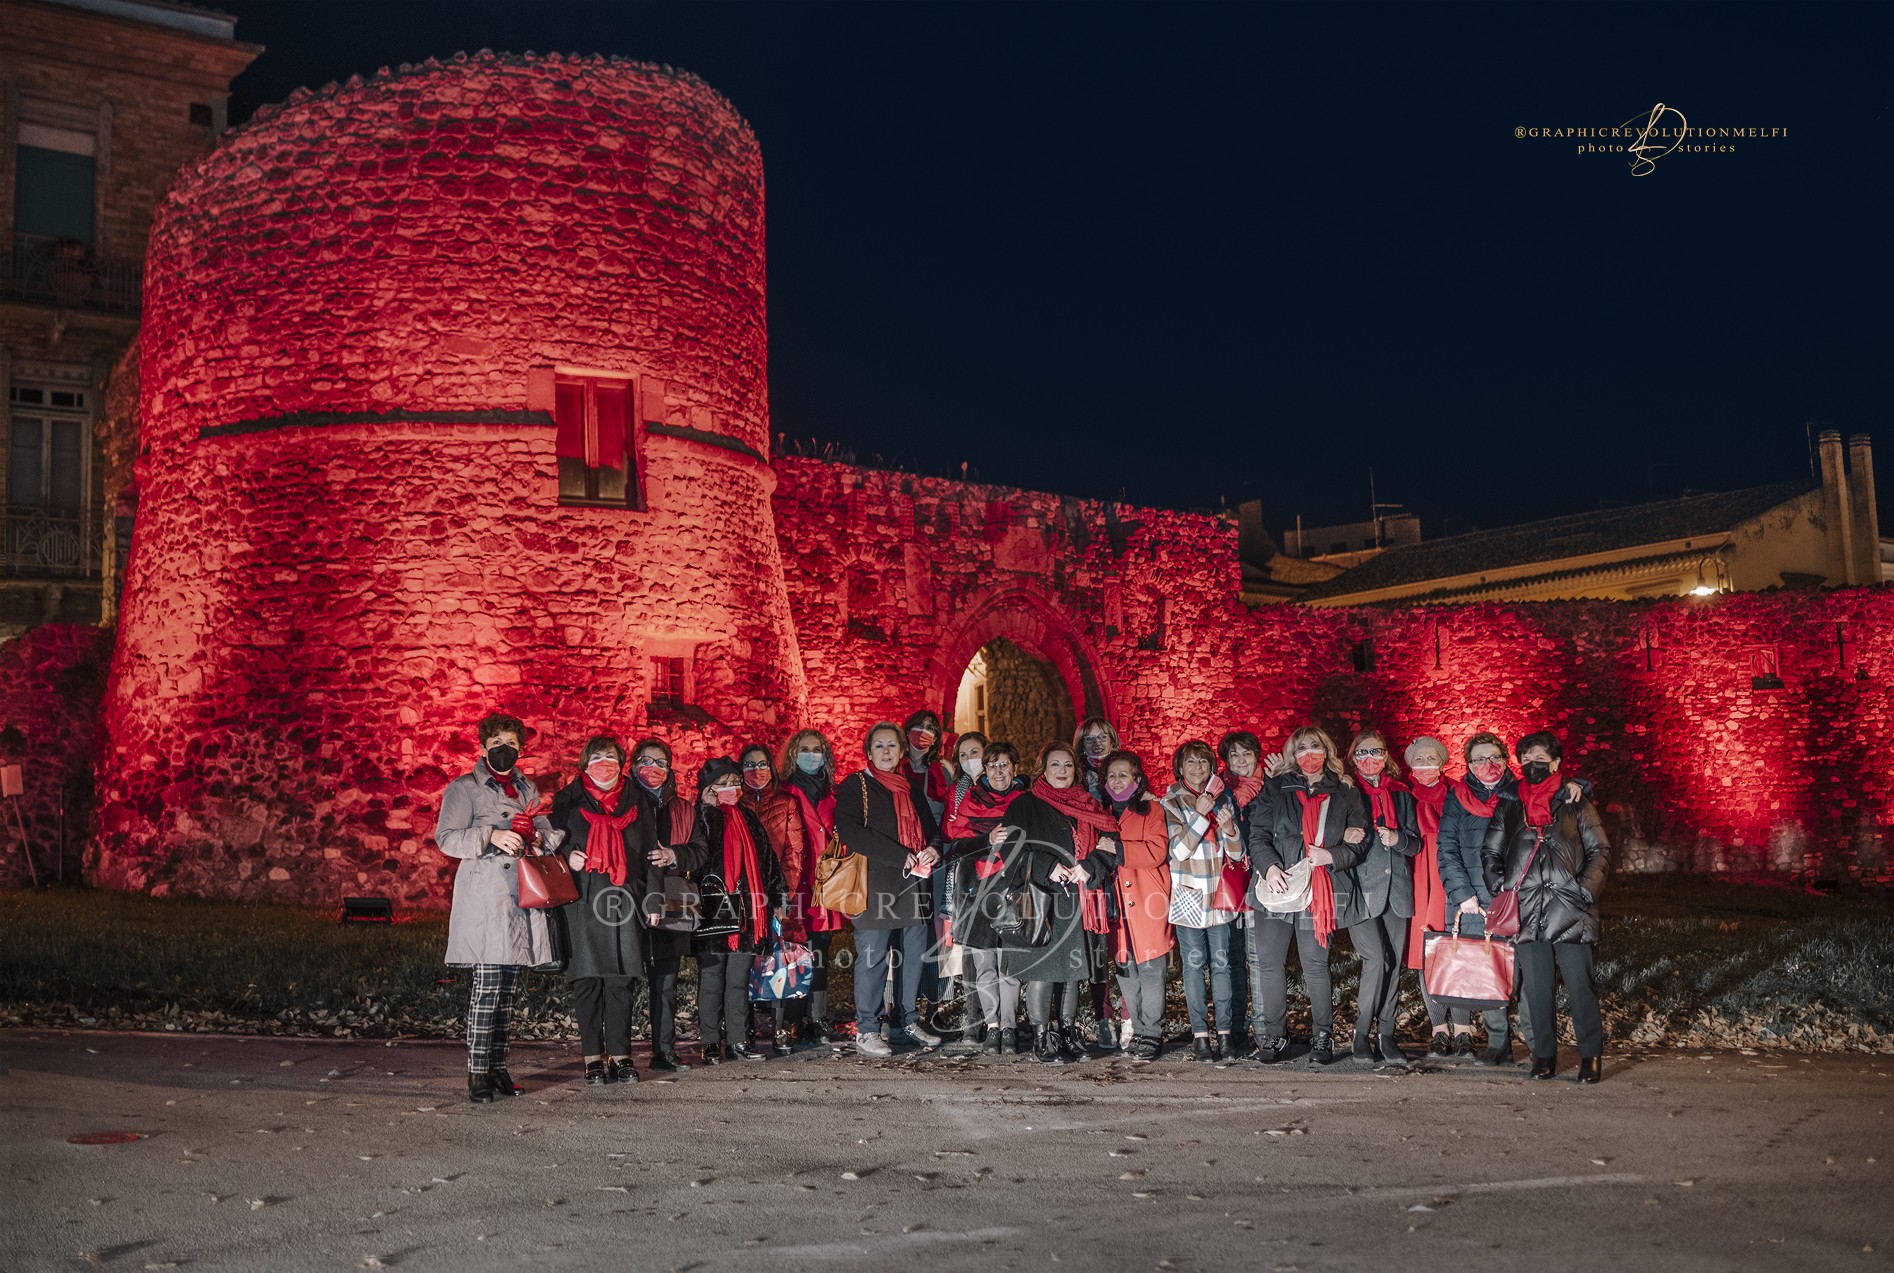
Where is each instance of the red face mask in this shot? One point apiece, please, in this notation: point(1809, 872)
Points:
point(603, 773)
point(1370, 766)
point(1311, 762)
point(920, 739)
point(652, 776)
point(756, 779)
point(727, 796)
point(1489, 771)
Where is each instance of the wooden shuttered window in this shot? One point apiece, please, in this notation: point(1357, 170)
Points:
point(597, 442)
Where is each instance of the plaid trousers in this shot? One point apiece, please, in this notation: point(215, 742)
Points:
point(487, 1011)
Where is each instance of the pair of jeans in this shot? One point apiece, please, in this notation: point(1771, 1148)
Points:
point(661, 984)
point(1039, 1004)
point(1382, 944)
point(1536, 960)
point(1206, 951)
point(875, 950)
point(1142, 986)
point(996, 994)
point(723, 996)
point(1269, 977)
point(604, 1009)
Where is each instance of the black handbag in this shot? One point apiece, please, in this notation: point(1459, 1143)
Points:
point(1032, 911)
point(719, 916)
point(683, 907)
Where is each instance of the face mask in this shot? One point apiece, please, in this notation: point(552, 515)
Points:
point(1370, 767)
point(1426, 775)
point(920, 739)
point(809, 762)
point(1311, 762)
point(1537, 771)
point(1124, 792)
point(1096, 746)
point(651, 777)
point(756, 779)
point(972, 766)
point(603, 773)
point(501, 759)
point(1489, 771)
point(727, 796)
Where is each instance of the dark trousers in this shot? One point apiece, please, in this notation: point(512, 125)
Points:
point(1142, 986)
point(1039, 1005)
point(1239, 962)
point(723, 996)
point(1536, 961)
point(489, 1010)
point(604, 1006)
point(1269, 975)
point(875, 949)
point(661, 981)
point(933, 985)
point(1206, 950)
point(1382, 944)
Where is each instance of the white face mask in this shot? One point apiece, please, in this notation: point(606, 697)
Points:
point(972, 766)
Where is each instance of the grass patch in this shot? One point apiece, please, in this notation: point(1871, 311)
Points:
point(1684, 961)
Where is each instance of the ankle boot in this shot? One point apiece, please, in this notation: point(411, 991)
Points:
point(1222, 1049)
point(480, 1088)
point(1047, 1045)
point(1071, 1042)
point(1591, 1069)
point(1544, 1067)
point(503, 1084)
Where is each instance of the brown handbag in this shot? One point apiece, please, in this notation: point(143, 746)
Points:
point(1467, 972)
point(545, 881)
point(841, 877)
point(1502, 913)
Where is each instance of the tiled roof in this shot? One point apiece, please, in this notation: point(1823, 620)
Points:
point(1559, 538)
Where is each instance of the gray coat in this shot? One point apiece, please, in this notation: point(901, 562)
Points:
point(487, 925)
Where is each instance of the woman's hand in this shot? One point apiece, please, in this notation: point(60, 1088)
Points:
point(651, 920)
point(575, 860)
point(1063, 874)
point(926, 859)
point(1389, 836)
point(1354, 835)
point(1320, 856)
point(1472, 907)
point(1108, 844)
point(1277, 881)
point(664, 857)
point(1205, 803)
point(507, 842)
point(1573, 793)
point(1273, 765)
point(1226, 821)
point(996, 837)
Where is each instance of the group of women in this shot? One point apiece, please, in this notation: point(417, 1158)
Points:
point(1029, 883)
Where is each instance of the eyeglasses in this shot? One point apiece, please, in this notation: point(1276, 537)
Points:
point(652, 762)
point(1371, 753)
point(751, 766)
point(1486, 760)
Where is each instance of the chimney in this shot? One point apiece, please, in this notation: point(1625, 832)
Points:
point(1835, 509)
point(1254, 545)
point(1866, 518)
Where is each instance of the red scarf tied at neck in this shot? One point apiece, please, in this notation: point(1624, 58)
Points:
point(1088, 819)
point(743, 868)
point(1430, 899)
point(1381, 800)
point(1479, 806)
point(1321, 883)
point(907, 821)
point(1244, 790)
point(605, 832)
point(1537, 797)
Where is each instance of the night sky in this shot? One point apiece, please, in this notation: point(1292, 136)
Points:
point(1189, 254)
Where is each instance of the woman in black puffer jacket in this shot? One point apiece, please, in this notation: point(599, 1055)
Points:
point(741, 857)
point(1553, 850)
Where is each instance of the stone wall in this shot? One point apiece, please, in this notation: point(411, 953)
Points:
point(1027, 704)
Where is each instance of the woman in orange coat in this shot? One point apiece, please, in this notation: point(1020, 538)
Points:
point(1142, 927)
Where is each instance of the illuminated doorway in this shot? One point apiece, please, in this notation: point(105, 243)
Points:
point(1008, 695)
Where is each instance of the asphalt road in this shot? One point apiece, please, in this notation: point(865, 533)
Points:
point(303, 1154)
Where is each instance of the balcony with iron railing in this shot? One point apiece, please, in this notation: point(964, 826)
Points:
point(71, 275)
point(43, 544)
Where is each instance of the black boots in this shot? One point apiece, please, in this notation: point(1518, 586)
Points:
point(1499, 1050)
point(667, 1063)
point(1442, 1044)
point(1591, 1068)
point(1222, 1049)
point(1544, 1067)
point(1200, 1049)
point(1048, 1047)
point(503, 1084)
point(479, 1088)
point(1463, 1044)
point(1071, 1042)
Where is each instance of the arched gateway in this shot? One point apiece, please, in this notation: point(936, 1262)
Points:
point(1013, 667)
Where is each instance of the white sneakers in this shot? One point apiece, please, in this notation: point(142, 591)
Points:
point(1124, 1035)
point(873, 1045)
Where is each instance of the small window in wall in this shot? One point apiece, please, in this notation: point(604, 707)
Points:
point(670, 681)
point(55, 172)
point(597, 444)
point(203, 115)
point(46, 448)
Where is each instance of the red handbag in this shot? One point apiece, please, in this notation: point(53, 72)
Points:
point(1502, 913)
point(546, 880)
point(1233, 888)
point(1467, 972)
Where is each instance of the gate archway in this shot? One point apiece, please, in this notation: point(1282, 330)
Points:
point(1022, 648)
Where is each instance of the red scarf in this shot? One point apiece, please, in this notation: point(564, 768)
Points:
point(1478, 806)
point(683, 820)
point(605, 832)
point(740, 862)
point(908, 828)
point(1244, 790)
point(1430, 899)
point(818, 821)
point(980, 810)
point(506, 782)
point(1321, 883)
point(1087, 818)
point(1537, 798)
point(1381, 801)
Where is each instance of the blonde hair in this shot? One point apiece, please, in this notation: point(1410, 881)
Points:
point(1393, 770)
point(1333, 761)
